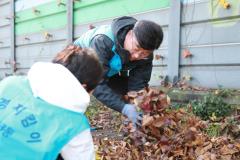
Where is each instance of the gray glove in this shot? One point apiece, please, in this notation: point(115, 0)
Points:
point(130, 111)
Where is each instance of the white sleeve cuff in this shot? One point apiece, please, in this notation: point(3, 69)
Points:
point(80, 147)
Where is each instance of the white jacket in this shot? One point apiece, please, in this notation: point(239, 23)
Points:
point(56, 85)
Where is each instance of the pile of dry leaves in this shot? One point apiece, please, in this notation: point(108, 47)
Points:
point(166, 134)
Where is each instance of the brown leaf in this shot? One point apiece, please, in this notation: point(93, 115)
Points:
point(147, 120)
point(159, 122)
point(206, 156)
point(190, 136)
point(155, 131)
point(186, 53)
point(164, 140)
point(157, 56)
point(146, 106)
point(237, 145)
point(199, 140)
point(178, 152)
point(226, 157)
point(228, 150)
point(202, 150)
point(165, 148)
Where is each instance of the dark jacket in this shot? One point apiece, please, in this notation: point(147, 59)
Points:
point(139, 71)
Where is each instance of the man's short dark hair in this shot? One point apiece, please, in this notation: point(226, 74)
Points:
point(149, 34)
point(83, 63)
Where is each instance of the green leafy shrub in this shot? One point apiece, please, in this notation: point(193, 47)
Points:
point(211, 107)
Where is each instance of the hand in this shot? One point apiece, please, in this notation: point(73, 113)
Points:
point(130, 111)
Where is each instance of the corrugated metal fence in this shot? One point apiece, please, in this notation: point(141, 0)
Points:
point(201, 43)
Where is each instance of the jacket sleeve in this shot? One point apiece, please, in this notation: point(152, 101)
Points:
point(140, 76)
point(80, 147)
point(103, 45)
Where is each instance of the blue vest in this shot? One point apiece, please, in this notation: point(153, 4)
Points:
point(115, 63)
point(30, 128)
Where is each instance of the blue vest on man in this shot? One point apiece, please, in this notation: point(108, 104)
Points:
point(30, 128)
point(115, 63)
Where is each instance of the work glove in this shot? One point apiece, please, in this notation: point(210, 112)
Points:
point(130, 111)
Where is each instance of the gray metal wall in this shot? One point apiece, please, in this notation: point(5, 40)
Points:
point(210, 32)
point(212, 35)
point(5, 37)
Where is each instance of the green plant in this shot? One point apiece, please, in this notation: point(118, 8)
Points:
point(93, 108)
point(176, 106)
point(213, 130)
point(211, 107)
point(224, 92)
